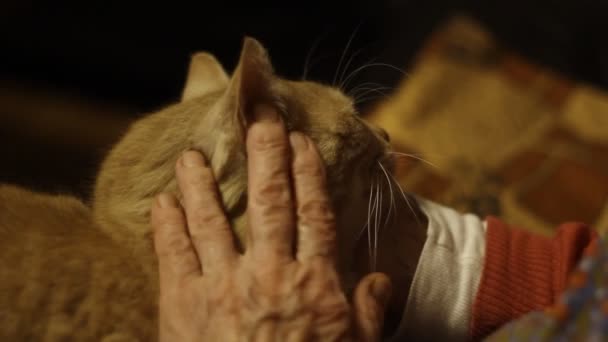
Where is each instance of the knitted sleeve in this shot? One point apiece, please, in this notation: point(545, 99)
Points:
point(523, 272)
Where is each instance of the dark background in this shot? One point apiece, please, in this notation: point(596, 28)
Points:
point(134, 56)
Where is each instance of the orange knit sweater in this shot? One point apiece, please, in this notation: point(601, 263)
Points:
point(523, 272)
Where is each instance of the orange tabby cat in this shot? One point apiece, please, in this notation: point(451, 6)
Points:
point(69, 271)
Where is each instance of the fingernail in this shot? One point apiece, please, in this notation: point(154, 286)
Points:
point(381, 290)
point(263, 112)
point(166, 201)
point(192, 159)
point(298, 141)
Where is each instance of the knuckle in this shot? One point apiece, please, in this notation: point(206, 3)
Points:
point(317, 212)
point(178, 243)
point(200, 178)
point(173, 244)
point(309, 169)
point(272, 221)
point(273, 192)
point(268, 139)
point(272, 224)
point(165, 219)
point(207, 219)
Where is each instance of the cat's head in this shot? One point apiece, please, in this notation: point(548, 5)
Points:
point(212, 118)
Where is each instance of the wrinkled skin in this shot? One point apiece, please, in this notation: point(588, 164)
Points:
point(272, 292)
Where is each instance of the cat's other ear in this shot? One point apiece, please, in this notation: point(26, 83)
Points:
point(205, 75)
point(252, 83)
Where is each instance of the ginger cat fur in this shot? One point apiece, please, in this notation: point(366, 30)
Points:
point(69, 271)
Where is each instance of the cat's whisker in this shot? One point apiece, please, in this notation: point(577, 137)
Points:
point(348, 63)
point(434, 155)
point(376, 206)
point(413, 156)
point(360, 233)
point(316, 60)
point(311, 51)
point(358, 91)
point(363, 67)
point(373, 97)
point(361, 87)
point(369, 216)
point(377, 230)
point(376, 224)
point(407, 201)
point(343, 84)
point(370, 83)
point(367, 94)
point(364, 84)
point(368, 97)
point(350, 40)
point(390, 189)
point(366, 91)
point(372, 227)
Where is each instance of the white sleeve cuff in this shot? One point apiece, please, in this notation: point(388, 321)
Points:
point(440, 301)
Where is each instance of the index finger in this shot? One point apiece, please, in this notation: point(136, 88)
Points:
point(270, 205)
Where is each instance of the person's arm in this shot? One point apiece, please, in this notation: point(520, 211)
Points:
point(475, 275)
point(524, 272)
point(285, 287)
point(580, 313)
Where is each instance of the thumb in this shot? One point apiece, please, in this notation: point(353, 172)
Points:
point(370, 302)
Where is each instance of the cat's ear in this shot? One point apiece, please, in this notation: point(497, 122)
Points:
point(251, 83)
point(205, 75)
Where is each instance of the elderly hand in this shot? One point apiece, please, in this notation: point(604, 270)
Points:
point(285, 286)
